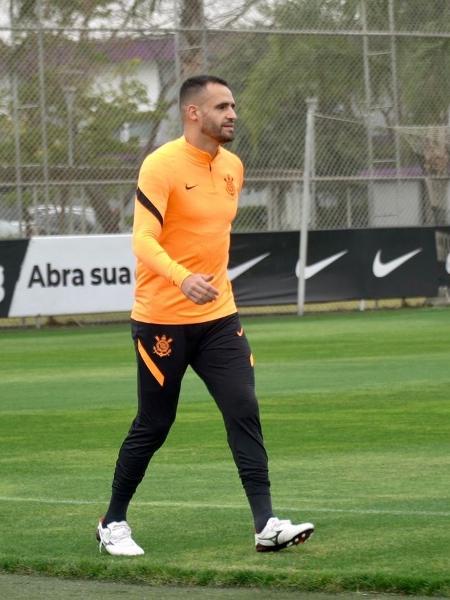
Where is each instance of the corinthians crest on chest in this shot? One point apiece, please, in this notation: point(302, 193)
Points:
point(229, 185)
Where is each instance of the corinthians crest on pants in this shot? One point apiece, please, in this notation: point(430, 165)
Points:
point(163, 345)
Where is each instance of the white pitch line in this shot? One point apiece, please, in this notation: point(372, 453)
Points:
point(171, 504)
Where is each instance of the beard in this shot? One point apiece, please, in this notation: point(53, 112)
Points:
point(219, 133)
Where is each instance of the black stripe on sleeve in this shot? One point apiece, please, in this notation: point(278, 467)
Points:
point(148, 205)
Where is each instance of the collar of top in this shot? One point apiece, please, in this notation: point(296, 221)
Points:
point(197, 155)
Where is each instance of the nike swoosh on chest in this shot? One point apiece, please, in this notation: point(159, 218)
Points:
point(201, 204)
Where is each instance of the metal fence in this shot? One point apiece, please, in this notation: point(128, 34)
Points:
point(84, 96)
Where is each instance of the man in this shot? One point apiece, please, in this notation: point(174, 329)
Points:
point(184, 312)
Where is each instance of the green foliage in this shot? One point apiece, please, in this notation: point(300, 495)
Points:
point(251, 218)
point(63, 12)
point(282, 71)
point(425, 65)
point(103, 114)
point(426, 16)
point(98, 115)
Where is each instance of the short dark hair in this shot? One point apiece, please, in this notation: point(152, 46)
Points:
point(193, 85)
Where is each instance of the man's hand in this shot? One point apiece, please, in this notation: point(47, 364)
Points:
point(196, 288)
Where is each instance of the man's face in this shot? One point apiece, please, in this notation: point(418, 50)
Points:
point(216, 114)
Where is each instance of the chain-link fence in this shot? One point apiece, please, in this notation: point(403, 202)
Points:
point(87, 90)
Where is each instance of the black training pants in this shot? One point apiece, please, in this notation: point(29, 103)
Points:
point(219, 353)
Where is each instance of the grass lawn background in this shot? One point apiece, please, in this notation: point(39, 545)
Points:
point(355, 411)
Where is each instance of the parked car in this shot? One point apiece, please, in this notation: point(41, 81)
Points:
point(10, 229)
point(55, 219)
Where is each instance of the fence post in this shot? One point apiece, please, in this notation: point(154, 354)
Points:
point(307, 170)
point(43, 105)
point(14, 85)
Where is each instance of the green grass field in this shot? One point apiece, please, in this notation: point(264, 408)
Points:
point(356, 416)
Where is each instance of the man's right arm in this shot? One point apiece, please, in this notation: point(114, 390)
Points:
point(149, 210)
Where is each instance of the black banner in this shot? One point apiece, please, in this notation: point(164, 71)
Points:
point(12, 253)
point(342, 265)
point(262, 268)
point(348, 264)
point(443, 255)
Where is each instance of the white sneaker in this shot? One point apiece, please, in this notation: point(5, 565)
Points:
point(116, 539)
point(278, 534)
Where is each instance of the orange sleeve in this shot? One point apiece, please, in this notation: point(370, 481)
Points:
point(150, 207)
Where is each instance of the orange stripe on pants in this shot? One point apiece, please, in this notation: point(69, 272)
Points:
point(150, 364)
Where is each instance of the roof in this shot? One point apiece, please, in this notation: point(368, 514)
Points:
point(156, 48)
point(60, 51)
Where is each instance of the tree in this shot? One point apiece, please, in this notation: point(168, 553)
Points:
point(290, 68)
point(281, 72)
point(82, 125)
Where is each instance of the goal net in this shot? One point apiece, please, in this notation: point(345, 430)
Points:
point(431, 146)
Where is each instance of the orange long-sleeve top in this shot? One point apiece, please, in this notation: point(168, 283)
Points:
point(185, 203)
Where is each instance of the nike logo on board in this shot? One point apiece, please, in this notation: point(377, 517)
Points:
point(190, 187)
point(235, 272)
point(318, 266)
point(381, 269)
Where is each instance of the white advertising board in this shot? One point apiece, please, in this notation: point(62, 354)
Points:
point(74, 275)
